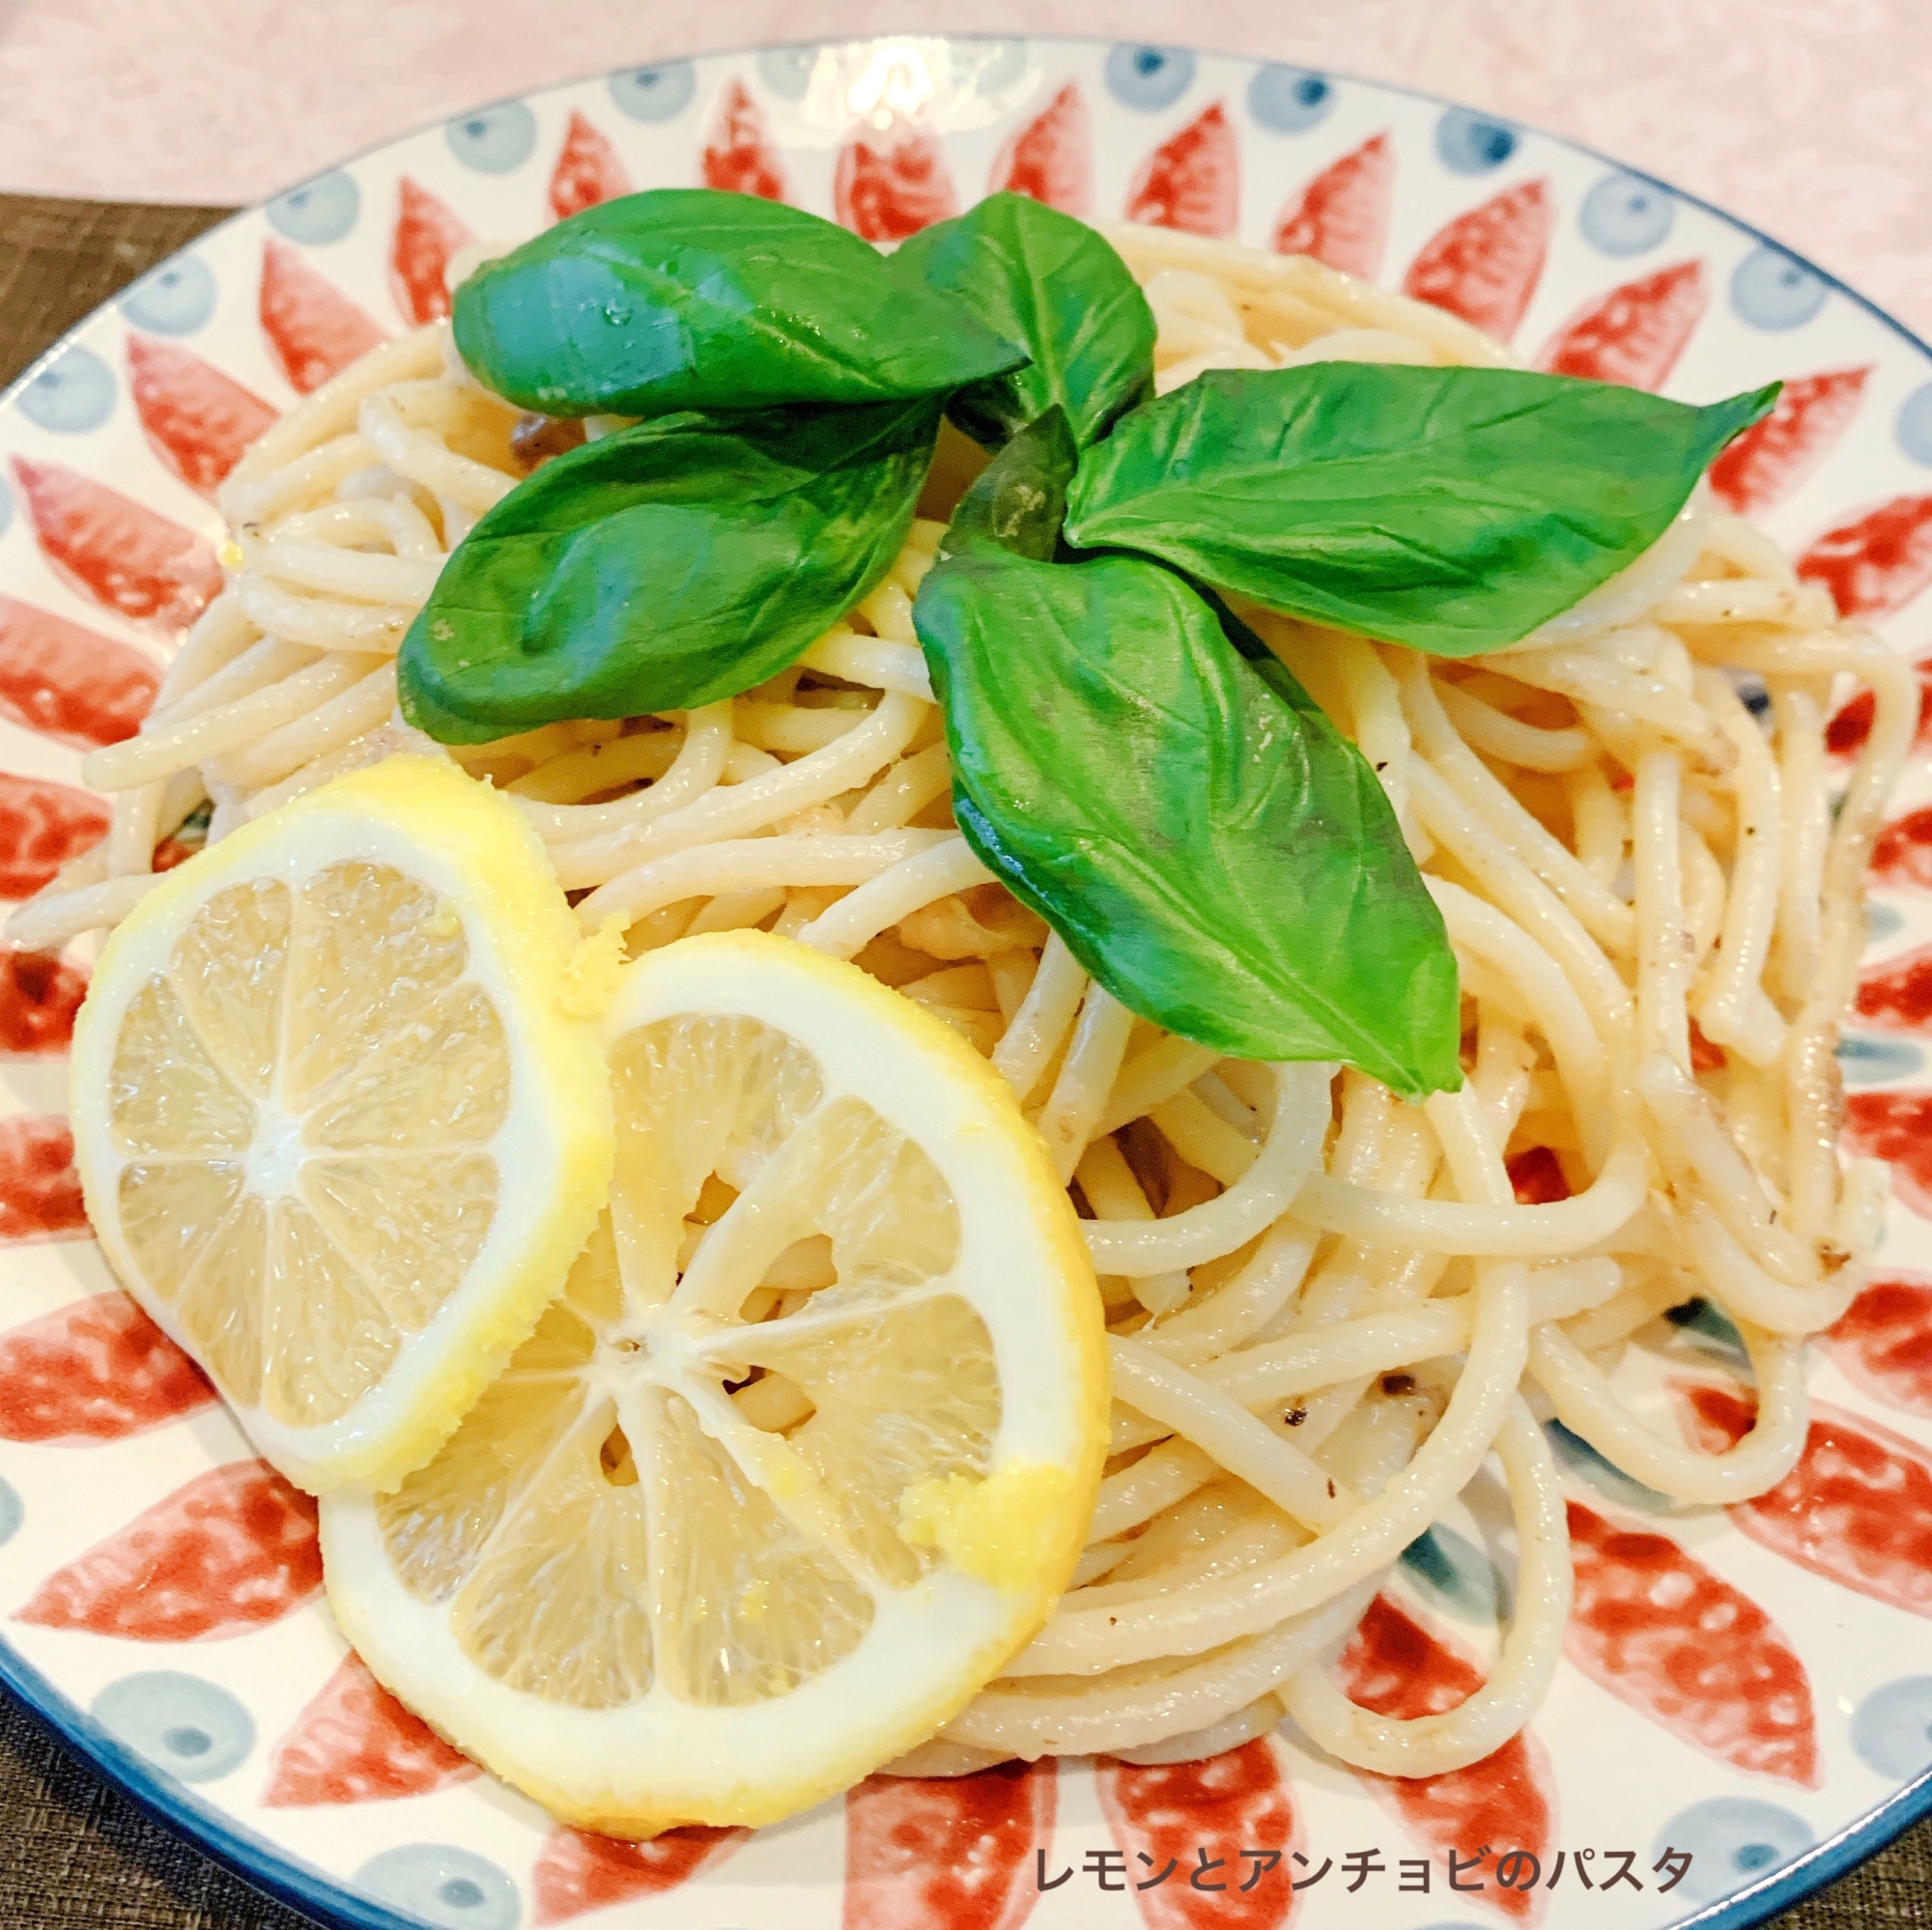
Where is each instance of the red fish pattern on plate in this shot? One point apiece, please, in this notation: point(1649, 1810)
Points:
point(356, 1743)
point(43, 826)
point(197, 421)
point(1051, 158)
point(123, 554)
point(1902, 852)
point(1536, 1176)
point(739, 156)
point(1342, 217)
point(1856, 1509)
point(69, 683)
point(1664, 1634)
point(1485, 265)
point(577, 1872)
point(1851, 725)
point(1876, 563)
point(1897, 1128)
point(1897, 995)
point(956, 1851)
point(893, 185)
point(1395, 1666)
point(40, 1190)
point(1194, 1815)
point(95, 1371)
point(38, 997)
point(427, 235)
point(1772, 458)
point(1883, 1341)
point(1633, 334)
point(588, 171)
point(230, 1550)
point(312, 329)
point(1192, 182)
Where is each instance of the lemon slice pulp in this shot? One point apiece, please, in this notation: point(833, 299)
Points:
point(801, 1455)
point(334, 1131)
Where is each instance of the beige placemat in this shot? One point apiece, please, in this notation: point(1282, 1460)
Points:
point(74, 1851)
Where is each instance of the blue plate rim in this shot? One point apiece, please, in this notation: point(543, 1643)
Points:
point(299, 1884)
point(167, 1799)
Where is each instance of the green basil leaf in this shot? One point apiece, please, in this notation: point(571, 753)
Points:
point(1018, 502)
point(689, 298)
point(1453, 510)
point(665, 566)
point(1040, 279)
point(1211, 849)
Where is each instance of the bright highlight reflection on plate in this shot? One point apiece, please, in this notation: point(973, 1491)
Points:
point(945, 86)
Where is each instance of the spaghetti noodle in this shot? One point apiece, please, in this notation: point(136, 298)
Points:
point(1326, 1309)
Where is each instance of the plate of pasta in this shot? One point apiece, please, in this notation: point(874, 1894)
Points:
point(961, 981)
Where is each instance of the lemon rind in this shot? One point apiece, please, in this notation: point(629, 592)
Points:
point(656, 1764)
point(554, 1149)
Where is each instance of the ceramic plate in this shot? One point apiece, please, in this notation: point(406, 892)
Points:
point(1751, 1688)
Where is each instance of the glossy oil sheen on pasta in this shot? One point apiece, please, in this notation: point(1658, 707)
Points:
point(1326, 1309)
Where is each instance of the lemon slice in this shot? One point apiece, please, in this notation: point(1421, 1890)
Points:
point(334, 1130)
point(804, 1451)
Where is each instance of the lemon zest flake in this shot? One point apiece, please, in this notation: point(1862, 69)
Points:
point(1001, 1530)
point(591, 976)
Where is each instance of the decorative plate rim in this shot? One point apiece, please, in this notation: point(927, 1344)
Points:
point(167, 1800)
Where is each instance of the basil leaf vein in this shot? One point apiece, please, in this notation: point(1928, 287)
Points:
point(1040, 279)
point(1452, 510)
point(1017, 504)
point(665, 566)
point(1208, 844)
point(697, 299)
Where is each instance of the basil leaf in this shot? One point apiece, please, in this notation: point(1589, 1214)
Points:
point(1018, 502)
point(1452, 510)
point(1211, 849)
point(689, 297)
point(1040, 277)
point(665, 566)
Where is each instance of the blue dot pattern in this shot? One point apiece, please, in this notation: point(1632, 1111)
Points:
point(443, 1885)
point(494, 140)
point(1289, 99)
point(1893, 1729)
point(1457, 1575)
point(176, 298)
point(5, 524)
point(1769, 290)
point(788, 70)
point(184, 1726)
point(660, 92)
point(1867, 1061)
point(1626, 215)
point(1469, 143)
point(1148, 77)
point(1710, 1331)
point(1576, 1455)
point(1734, 1841)
point(1914, 427)
point(318, 212)
point(12, 1512)
point(996, 64)
point(1882, 922)
point(72, 394)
